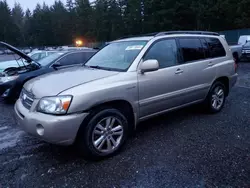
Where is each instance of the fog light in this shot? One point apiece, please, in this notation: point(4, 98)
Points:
point(6, 93)
point(40, 129)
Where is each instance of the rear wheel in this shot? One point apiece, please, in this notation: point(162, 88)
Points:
point(103, 134)
point(216, 97)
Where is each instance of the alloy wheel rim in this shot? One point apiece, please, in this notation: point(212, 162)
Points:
point(107, 134)
point(217, 97)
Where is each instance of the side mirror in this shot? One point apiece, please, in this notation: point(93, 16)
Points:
point(149, 66)
point(56, 65)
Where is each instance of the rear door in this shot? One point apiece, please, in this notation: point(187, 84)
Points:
point(200, 66)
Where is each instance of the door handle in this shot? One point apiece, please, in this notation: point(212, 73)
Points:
point(210, 64)
point(178, 71)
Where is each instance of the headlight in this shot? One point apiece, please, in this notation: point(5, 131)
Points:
point(54, 105)
point(7, 79)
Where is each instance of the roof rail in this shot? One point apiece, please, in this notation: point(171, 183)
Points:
point(187, 32)
point(156, 34)
point(140, 35)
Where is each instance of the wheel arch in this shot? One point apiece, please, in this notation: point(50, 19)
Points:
point(224, 80)
point(122, 105)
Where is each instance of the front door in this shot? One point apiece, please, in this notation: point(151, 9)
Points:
point(162, 89)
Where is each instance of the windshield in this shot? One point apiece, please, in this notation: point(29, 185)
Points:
point(49, 59)
point(117, 56)
point(247, 44)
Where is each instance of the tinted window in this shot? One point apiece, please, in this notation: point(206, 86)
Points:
point(88, 55)
point(191, 49)
point(165, 52)
point(215, 47)
point(205, 48)
point(74, 58)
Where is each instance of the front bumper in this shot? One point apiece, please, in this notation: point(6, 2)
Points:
point(53, 129)
point(245, 55)
point(6, 89)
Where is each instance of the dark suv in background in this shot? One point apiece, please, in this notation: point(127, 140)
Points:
point(13, 78)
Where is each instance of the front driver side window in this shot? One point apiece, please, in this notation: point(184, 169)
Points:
point(71, 59)
point(66, 60)
point(165, 52)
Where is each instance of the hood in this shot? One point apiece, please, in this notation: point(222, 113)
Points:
point(52, 84)
point(18, 52)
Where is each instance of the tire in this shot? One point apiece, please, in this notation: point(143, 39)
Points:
point(213, 98)
point(87, 137)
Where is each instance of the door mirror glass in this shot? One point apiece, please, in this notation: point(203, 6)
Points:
point(149, 65)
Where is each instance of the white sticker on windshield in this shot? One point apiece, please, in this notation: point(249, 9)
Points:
point(136, 47)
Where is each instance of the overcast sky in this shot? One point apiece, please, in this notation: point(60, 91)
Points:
point(31, 4)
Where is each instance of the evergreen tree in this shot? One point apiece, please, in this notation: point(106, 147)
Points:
point(18, 20)
point(105, 20)
point(8, 29)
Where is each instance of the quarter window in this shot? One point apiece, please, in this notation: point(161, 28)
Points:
point(165, 52)
point(192, 49)
point(215, 47)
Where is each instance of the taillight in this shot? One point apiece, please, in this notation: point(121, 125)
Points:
point(235, 65)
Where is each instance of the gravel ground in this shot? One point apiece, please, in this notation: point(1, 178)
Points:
point(186, 148)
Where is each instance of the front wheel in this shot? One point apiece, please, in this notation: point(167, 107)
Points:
point(216, 97)
point(103, 134)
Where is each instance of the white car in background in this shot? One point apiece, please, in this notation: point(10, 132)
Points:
point(36, 55)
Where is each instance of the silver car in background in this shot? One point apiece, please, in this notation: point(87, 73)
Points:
point(36, 55)
point(128, 81)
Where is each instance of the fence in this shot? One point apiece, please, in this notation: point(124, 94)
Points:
point(232, 36)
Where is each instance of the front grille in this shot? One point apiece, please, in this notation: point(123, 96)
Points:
point(27, 99)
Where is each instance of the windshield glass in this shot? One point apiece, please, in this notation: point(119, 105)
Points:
point(47, 60)
point(247, 44)
point(117, 56)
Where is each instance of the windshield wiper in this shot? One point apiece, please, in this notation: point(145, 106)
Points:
point(95, 67)
point(102, 68)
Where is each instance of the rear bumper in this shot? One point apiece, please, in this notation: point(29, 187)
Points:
point(53, 129)
point(233, 80)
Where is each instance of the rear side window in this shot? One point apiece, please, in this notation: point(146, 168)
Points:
point(215, 48)
point(191, 49)
point(205, 48)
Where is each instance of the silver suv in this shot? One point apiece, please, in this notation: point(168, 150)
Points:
point(129, 80)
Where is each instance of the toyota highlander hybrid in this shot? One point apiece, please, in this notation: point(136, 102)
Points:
point(97, 105)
